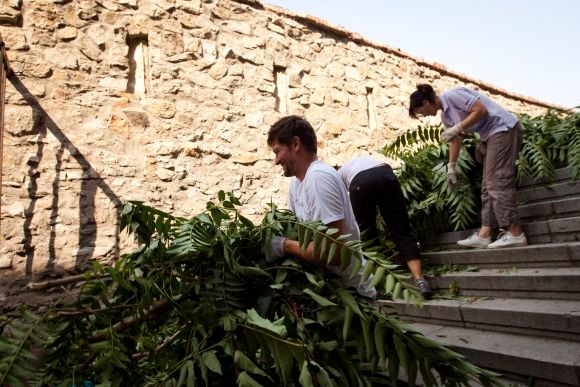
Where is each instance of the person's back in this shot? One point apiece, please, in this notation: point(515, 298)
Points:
point(355, 165)
point(372, 184)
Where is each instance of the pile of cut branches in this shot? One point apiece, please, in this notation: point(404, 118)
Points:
point(196, 304)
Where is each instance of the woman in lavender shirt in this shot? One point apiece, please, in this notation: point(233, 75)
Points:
point(465, 111)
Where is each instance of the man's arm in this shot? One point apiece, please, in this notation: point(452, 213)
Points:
point(292, 247)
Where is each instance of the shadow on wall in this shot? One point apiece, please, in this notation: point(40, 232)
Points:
point(88, 190)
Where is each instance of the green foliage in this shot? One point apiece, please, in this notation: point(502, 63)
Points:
point(16, 357)
point(447, 268)
point(433, 207)
point(550, 141)
point(196, 304)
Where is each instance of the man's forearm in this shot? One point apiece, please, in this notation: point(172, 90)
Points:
point(293, 248)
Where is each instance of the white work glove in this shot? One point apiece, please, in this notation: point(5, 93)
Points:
point(275, 250)
point(452, 176)
point(453, 131)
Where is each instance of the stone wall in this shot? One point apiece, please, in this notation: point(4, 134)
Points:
point(169, 101)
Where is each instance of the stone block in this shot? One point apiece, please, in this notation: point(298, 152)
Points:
point(161, 108)
point(548, 192)
point(10, 15)
point(565, 225)
point(89, 48)
point(535, 210)
point(190, 6)
point(5, 262)
point(15, 40)
point(30, 65)
point(240, 27)
point(42, 38)
point(568, 206)
point(536, 228)
point(99, 34)
point(66, 33)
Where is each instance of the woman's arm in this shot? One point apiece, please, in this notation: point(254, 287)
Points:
point(478, 112)
point(454, 147)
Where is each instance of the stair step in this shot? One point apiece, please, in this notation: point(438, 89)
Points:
point(564, 229)
point(551, 362)
point(555, 230)
point(537, 283)
point(556, 190)
point(565, 254)
point(551, 209)
point(549, 318)
point(559, 175)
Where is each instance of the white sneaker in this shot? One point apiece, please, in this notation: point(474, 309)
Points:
point(507, 239)
point(475, 241)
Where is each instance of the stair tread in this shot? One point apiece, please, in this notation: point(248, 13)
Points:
point(552, 317)
point(537, 348)
point(523, 316)
point(540, 306)
point(550, 202)
point(560, 174)
point(563, 254)
point(518, 272)
point(544, 358)
point(537, 246)
point(534, 230)
point(512, 282)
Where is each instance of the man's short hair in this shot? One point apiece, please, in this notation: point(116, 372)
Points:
point(286, 128)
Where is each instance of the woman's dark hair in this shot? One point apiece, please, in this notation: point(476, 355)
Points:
point(424, 92)
point(286, 128)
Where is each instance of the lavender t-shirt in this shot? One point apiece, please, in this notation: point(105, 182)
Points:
point(458, 102)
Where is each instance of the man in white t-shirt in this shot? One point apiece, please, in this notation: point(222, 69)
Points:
point(316, 193)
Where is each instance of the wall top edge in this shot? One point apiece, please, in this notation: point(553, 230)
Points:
point(359, 39)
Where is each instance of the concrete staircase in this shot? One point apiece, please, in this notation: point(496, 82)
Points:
point(519, 314)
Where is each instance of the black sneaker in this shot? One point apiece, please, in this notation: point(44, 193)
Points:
point(424, 288)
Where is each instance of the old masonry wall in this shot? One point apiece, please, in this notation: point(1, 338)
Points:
point(169, 101)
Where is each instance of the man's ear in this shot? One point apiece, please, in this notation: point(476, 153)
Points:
point(296, 143)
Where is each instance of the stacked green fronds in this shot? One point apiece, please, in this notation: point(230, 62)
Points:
point(196, 304)
point(17, 358)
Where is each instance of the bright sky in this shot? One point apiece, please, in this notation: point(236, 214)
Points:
point(530, 47)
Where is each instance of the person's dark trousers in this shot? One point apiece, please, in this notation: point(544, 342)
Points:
point(379, 187)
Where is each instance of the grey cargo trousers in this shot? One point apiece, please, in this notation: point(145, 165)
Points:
point(498, 187)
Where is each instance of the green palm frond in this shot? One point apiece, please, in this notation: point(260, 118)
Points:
point(413, 141)
point(535, 163)
point(16, 355)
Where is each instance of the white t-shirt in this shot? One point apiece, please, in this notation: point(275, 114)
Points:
point(354, 166)
point(322, 196)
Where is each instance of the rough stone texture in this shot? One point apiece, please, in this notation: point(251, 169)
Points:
point(77, 144)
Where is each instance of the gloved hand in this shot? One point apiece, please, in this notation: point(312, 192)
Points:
point(275, 250)
point(452, 176)
point(451, 132)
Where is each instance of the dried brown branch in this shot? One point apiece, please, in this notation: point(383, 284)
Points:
point(130, 321)
point(62, 281)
